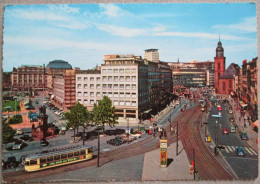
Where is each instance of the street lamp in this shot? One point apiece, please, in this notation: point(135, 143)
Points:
point(216, 137)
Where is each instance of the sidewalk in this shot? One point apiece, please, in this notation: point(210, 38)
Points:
point(178, 166)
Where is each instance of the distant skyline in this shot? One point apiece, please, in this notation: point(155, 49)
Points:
point(82, 34)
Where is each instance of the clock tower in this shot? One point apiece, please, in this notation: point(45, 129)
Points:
point(220, 62)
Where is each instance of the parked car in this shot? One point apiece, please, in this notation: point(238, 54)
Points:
point(136, 135)
point(33, 119)
point(44, 142)
point(11, 162)
point(240, 151)
point(19, 144)
point(220, 108)
point(19, 131)
point(114, 142)
point(230, 111)
point(244, 136)
point(26, 138)
point(128, 138)
point(233, 129)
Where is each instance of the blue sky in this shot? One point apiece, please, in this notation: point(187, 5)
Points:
point(83, 33)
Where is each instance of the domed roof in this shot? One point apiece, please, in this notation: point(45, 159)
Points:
point(59, 64)
point(219, 48)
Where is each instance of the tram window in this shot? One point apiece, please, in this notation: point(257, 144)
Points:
point(33, 162)
point(57, 157)
point(70, 155)
point(50, 159)
point(83, 152)
point(27, 163)
point(43, 160)
point(63, 156)
point(90, 150)
point(76, 153)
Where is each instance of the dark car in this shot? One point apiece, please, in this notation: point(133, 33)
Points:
point(120, 139)
point(19, 144)
point(244, 136)
point(232, 119)
point(44, 142)
point(114, 142)
point(26, 138)
point(240, 151)
point(11, 162)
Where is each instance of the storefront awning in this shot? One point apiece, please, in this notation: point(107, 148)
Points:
point(255, 124)
point(243, 105)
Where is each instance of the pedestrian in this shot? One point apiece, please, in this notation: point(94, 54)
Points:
point(239, 118)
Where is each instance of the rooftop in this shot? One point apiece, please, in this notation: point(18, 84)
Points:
point(59, 64)
point(229, 73)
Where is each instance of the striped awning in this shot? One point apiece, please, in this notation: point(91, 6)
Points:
point(255, 124)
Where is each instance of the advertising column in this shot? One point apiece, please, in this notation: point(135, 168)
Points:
point(163, 152)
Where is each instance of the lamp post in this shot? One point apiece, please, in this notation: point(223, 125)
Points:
point(128, 130)
point(177, 145)
point(98, 148)
point(216, 137)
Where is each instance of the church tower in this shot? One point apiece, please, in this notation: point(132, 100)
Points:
point(220, 64)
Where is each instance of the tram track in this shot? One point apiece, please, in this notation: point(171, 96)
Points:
point(207, 166)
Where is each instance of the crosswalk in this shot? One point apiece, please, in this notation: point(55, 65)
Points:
point(230, 149)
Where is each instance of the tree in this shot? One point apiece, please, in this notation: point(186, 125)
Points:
point(104, 113)
point(8, 132)
point(77, 116)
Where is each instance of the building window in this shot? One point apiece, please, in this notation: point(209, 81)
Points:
point(109, 86)
point(98, 78)
point(104, 71)
point(127, 95)
point(109, 78)
point(122, 95)
point(121, 70)
point(104, 94)
point(133, 78)
point(115, 86)
point(109, 71)
point(79, 78)
point(115, 70)
point(79, 86)
point(85, 86)
point(104, 86)
point(121, 78)
point(133, 70)
point(79, 100)
point(110, 94)
point(85, 93)
point(121, 86)
point(79, 93)
point(104, 78)
point(91, 78)
point(224, 86)
point(122, 102)
point(91, 86)
point(127, 103)
point(91, 93)
point(127, 70)
point(115, 94)
point(127, 78)
point(133, 103)
point(115, 102)
point(85, 78)
point(134, 95)
point(98, 86)
point(127, 86)
point(98, 93)
point(133, 86)
point(92, 102)
point(115, 78)
point(85, 101)
point(230, 84)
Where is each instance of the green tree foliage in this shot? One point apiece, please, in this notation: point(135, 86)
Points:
point(8, 132)
point(16, 119)
point(77, 116)
point(104, 113)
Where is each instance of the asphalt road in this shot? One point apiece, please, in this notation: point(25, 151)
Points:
point(244, 167)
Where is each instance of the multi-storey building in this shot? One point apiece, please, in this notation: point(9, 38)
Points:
point(134, 85)
point(64, 89)
point(7, 81)
point(248, 94)
point(193, 74)
point(28, 78)
point(152, 55)
point(56, 67)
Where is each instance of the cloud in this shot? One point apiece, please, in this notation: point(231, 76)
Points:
point(68, 9)
point(247, 25)
point(201, 35)
point(112, 10)
point(122, 31)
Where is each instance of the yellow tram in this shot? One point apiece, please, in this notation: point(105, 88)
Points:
point(57, 157)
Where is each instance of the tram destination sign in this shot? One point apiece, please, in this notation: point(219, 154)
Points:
point(62, 161)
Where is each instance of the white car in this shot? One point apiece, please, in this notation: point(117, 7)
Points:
point(177, 102)
point(230, 111)
point(19, 131)
point(233, 129)
point(136, 135)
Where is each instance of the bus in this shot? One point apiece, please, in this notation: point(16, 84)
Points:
point(57, 157)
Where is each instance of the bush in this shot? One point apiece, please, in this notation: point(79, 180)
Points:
point(8, 133)
point(16, 119)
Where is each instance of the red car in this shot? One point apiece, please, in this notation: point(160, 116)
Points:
point(220, 108)
point(225, 131)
